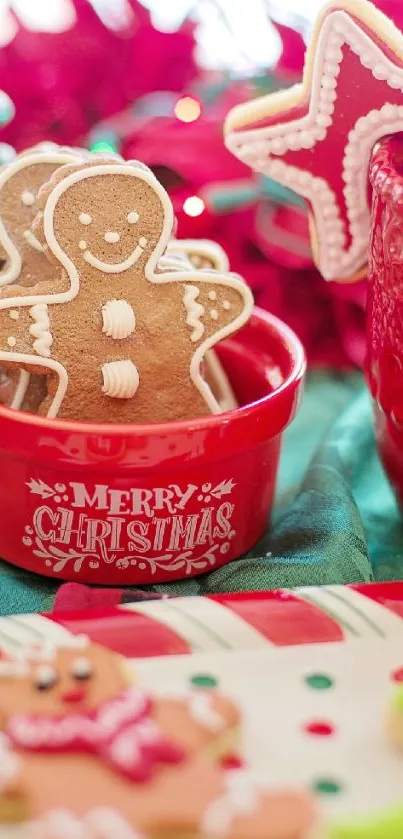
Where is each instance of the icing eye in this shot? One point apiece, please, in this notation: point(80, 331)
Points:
point(45, 677)
point(133, 217)
point(27, 198)
point(84, 218)
point(82, 669)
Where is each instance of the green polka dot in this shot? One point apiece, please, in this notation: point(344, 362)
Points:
point(327, 786)
point(204, 680)
point(319, 681)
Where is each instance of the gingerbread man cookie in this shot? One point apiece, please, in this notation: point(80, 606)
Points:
point(77, 738)
point(185, 254)
point(24, 261)
point(122, 340)
point(22, 258)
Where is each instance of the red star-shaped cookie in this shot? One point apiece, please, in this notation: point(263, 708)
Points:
point(317, 137)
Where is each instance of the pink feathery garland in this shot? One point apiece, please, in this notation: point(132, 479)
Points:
point(63, 83)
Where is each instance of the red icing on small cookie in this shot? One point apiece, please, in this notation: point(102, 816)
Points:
point(317, 138)
point(121, 732)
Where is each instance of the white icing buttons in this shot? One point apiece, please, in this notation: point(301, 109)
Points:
point(82, 245)
point(120, 379)
point(11, 341)
point(27, 198)
point(14, 314)
point(85, 218)
point(133, 217)
point(119, 320)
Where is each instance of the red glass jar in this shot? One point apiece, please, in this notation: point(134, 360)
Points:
point(385, 306)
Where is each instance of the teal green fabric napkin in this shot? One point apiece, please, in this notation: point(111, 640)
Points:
point(335, 520)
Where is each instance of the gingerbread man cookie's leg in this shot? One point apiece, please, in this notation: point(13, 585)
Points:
point(216, 306)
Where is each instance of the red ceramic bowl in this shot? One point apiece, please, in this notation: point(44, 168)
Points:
point(385, 306)
point(139, 504)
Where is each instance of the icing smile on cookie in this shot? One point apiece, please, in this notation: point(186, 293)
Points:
point(114, 267)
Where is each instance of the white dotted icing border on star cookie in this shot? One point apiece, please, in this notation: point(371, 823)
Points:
point(338, 29)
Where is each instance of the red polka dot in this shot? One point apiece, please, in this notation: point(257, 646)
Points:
point(319, 728)
point(232, 762)
point(397, 675)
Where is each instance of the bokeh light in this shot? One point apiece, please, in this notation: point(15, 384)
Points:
point(103, 146)
point(7, 153)
point(187, 109)
point(193, 206)
point(7, 109)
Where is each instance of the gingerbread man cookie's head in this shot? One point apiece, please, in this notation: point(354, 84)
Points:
point(106, 216)
point(21, 253)
point(53, 682)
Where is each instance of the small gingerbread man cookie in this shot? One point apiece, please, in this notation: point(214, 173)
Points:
point(123, 341)
point(22, 254)
point(183, 255)
point(22, 258)
point(77, 739)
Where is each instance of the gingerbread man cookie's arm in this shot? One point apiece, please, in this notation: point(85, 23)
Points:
point(24, 320)
point(216, 306)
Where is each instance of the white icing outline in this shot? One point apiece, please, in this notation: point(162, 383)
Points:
point(40, 329)
point(194, 310)
point(20, 391)
point(117, 267)
point(30, 237)
point(225, 395)
point(50, 364)
point(206, 248)
point(257, 146)
point(158, 248)
point(13, 270)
